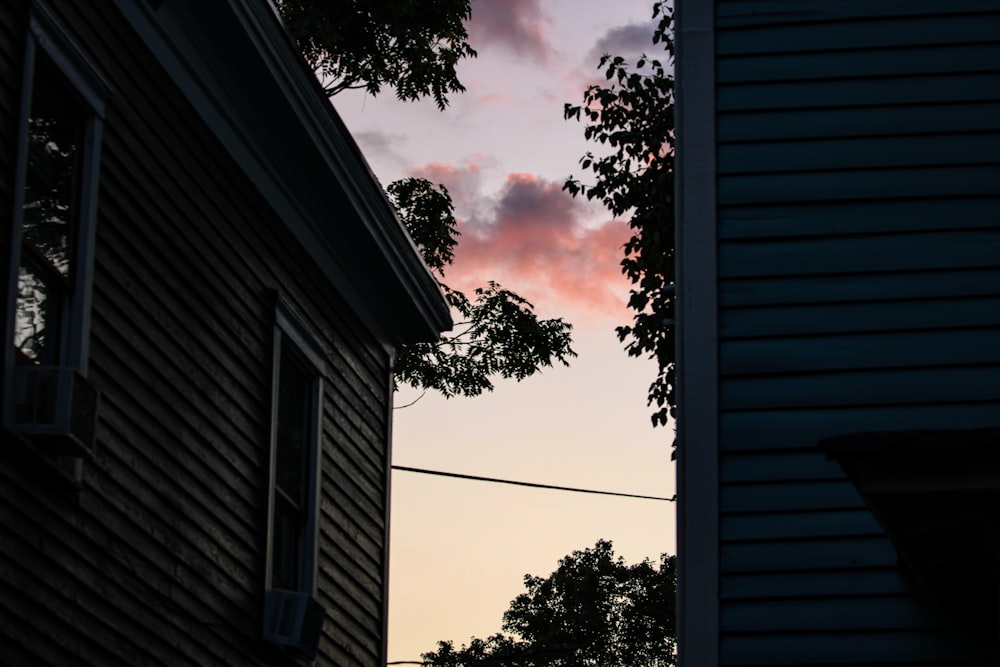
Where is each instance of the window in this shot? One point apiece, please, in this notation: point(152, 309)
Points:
point(293, 619)
point(51, 252)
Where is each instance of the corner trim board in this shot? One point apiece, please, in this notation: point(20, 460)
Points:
point(697, 346)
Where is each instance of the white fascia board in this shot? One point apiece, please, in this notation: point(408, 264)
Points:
point(317, 114)
point(165, 34)
point(697, 338)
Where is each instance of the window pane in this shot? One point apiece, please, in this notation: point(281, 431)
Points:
point(37, 319)
point(55, 140)
point(294, 442)
point(286, 545)
point(294, 409)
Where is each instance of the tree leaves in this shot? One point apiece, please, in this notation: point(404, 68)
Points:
point(593, 610)
point(498, 335)
point(633, 118)
point(412, 46)
point(426, 211)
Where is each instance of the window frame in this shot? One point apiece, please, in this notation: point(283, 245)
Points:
point(290, 331)
point(46, 39)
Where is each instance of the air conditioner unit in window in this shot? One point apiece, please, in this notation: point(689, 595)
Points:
point(294, 621)
point(56, 408)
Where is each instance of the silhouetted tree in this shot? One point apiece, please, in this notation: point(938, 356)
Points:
point(633, 117)
point(412, 46)
point(499, 333)
point(593, 611)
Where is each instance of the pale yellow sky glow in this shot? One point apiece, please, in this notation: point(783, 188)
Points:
point(459, 548)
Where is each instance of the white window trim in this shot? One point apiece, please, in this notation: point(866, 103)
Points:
point(46, 36)
point(290, 329)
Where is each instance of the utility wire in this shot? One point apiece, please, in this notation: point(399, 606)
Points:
point(400, 407)
point(477, 478)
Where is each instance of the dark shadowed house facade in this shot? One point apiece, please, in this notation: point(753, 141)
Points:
point(839, 360)
point(205, 291)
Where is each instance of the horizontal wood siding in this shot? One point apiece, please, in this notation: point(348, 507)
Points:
point(859, 290)
point(159, 558)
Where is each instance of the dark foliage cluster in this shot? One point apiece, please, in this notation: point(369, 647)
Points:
point(594, 610)
point(412, 46)
point(632, 117)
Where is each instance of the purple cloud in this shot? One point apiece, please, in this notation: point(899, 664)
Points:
point(515, 25)
point(627, 41)
point(532, 239)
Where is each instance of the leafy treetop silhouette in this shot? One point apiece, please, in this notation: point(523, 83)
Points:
point(410, 45)
point(594, 610)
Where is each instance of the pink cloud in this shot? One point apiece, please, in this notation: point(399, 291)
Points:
point(515, 25)
point(497, 99)
point(453, 177)
point(462, 182)
point(535, 242)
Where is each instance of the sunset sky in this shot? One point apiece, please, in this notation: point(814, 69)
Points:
point(460, 549)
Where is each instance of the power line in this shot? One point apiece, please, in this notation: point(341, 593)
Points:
point(477, 478)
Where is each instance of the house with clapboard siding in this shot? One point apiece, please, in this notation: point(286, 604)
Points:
point(205, 292)
point(839, 328)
